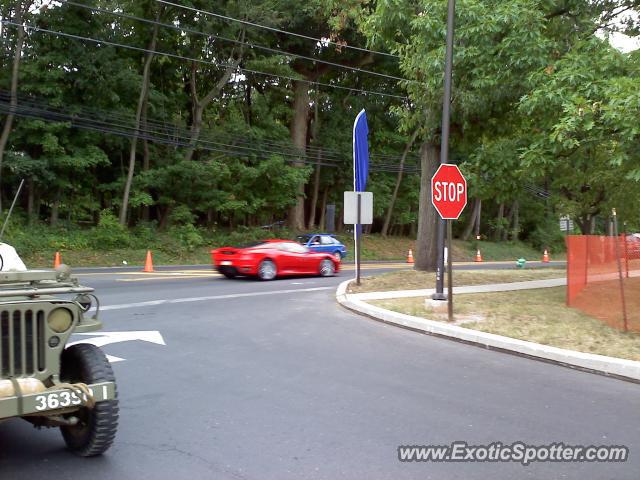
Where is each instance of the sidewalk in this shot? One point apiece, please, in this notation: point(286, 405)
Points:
point(610, 366)
point(496, 287)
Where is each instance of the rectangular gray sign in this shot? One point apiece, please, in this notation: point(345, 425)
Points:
point(351, 208)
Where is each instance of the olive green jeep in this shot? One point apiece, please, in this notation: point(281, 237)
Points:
point(41, 379)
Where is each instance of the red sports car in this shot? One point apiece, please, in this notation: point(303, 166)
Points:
point(269, 259)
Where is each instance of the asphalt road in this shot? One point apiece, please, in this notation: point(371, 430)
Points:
point(273, 380)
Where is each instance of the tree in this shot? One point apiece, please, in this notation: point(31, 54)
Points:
point(21, 9)
point(396, 189)
point(582, 133)
point(142, 102)
point(228, 131)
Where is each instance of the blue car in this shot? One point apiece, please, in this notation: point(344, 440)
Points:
point(324, 243)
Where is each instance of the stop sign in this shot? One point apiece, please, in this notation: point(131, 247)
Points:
point(449, 191)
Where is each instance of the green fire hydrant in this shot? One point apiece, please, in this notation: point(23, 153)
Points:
point(521, 262)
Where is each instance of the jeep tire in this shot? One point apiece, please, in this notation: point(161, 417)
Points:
point(96, 430)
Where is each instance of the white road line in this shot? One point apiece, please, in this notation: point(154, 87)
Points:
point(153, 303)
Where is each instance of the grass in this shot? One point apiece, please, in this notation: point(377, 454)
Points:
point(376, 247)
point(77, 250)
point(539, 316)
point(117, 257)
point(413, 280)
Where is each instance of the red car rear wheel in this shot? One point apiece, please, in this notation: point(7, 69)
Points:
point(267, 270)
point(327, 268)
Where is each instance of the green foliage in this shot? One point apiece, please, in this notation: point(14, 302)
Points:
point(109, 233)
point(144, 235)
point(538, 100)
point(182, 215)
point(547, 235)
point(186, 236)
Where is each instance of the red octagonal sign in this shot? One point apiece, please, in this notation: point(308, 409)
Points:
point(449, 191)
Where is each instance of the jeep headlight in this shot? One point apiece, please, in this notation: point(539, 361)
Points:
point(60, 320)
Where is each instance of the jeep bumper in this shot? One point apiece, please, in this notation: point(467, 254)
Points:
point(54, 401)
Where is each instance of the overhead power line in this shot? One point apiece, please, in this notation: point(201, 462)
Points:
point(277, 30)
point(196, 60)
point(235, 41)
point(172, 130)
point(104, 123)
point(537, 191)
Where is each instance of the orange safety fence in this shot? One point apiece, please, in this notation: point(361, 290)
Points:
point(603, 278)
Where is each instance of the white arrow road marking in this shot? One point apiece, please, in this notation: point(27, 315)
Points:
point(100, 339)
point(112, 358)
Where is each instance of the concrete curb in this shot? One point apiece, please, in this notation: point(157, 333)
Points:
point(610, 366)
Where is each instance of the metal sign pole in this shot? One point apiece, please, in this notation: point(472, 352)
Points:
point(626, 250)
point(617, 240)
point(444, 147)
point(13, 204)
point(358, 237)
point(449, 271)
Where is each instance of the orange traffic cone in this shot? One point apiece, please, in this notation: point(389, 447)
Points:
point(148, 265)
point(478, 256)
point(545, 256)
point(56, 260)
point(410, 257)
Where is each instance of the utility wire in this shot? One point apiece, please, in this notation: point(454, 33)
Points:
point(277, 30)
point(160, 137)
point(537, 191)
point(237, 42)
point(197, 60)
point(171, 130)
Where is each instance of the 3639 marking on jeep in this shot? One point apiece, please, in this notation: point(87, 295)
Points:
point(67, 398)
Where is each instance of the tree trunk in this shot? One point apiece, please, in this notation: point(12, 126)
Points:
point(413, 231)
point(505, 231)
point(13, 101)
point(299, 126)
point(164, 219)
point(144, 91)
point(515, 233)
point(36, 204)
point(55, 208)
point(247, 97)
point(145, 157)
point(323, 209)
point(314, 195)
point(394, 196)
point(583, 224)
point(473, 220)
point(497, 235)
point(426, 254)
point(316, 179)
point(298, 131)
point(196, 127)
point(479, 219)
point(30, 199)
point(200, 104)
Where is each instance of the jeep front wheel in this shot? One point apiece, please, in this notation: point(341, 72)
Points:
point(96, 427)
